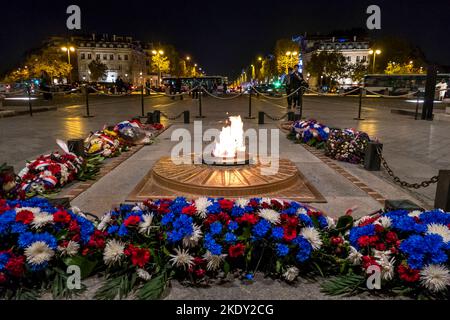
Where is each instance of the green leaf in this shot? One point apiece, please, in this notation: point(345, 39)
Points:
point(278, 266)
point(154, 288)
point(344, 223)
point(345, 284)
point(226, 268)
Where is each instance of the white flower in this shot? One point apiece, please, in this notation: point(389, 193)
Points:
point(330, 222)
point(291, 273)
point(71, 249)
point(435, 277)
point(386, 264)
point(266, 200)
point(38, 253)
point(193, 239)
point(105, 220)
point(354, 256)
point(78, 212)
point(313, 237)
point(41, 219)
point(146, 225)
point(384, 221)
point(201, 204)
point(144, 275)
point(302, 211)
point(214, 261)
point(270, 215)
point(114, 251)
point(182, 259)
point(361, 220)
point(242, 202)
point(440, 229)
point(415, 213)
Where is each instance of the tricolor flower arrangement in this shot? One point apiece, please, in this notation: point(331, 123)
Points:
point(105, 143)
point(310, 132)
point(347, 145)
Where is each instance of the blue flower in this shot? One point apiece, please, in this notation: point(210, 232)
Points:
point(233, 225)
point(167, 218)
point(249, 276)
point(230, 238)
point(211, 245)
point(26, 239)
point(216, 228)
point(277, 233)
point(405, 223)
point(123, 231)
point(435, 216)
point(19, 228)
point(357, 232)
point(4, 258)
point(306, 220)
point(113, 229)
point(214, 208)
point(304, 249)
point(282, 249)
point(323, 223)
point(237, 212)
point(424, 250)
point(261, 228)
point(6, 219)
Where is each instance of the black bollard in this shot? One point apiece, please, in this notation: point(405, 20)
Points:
point(86, 89)
point(250, 105)
point(156, 116)
point(430, 91)
point(142, 101)
point(442, 199)
point(261, 117)
point(200, 94)
point(372, 160)
point(187, 116)
point(76, 146)
point(149, 118)
point(360, 105)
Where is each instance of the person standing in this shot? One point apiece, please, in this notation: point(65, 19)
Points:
point(147, 87)
point(287, 85)
point(442, 87)
point(298, 84)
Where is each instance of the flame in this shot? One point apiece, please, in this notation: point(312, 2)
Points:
point(231, 139)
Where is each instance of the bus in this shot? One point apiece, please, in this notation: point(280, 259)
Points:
point(399, 84)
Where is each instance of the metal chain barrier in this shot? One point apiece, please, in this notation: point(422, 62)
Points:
point(171, 118)
point(221, 98)
point(111, 95)
point(276, 119)
point(278, 98)
point(174, 95)
point(386, 96)
point(423, 184)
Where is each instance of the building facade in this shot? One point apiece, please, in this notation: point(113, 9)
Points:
point(124, 58)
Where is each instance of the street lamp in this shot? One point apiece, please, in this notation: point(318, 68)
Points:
point(68, 50)
point(158, 53)
point(290, 56)
point(374, 52)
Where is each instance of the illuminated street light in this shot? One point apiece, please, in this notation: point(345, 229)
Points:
point(375, 53)
point(68, 50)
point(158, 53)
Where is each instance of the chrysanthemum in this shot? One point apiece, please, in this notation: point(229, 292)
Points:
point(144, 275)
point(105, 220)
point(41, 219)
point(435, 277)
point(241, 202)
point(415, 213)
point(71, 249)
point(440, 229)
point(330, 222)
point(313, 237)
point(38, 252)
point(146, 225)
point(386, 264)
point(291, 273)
point(354, 256)
point(114, 251)
point(270, 215)
point(182, 259)
point(384, 221)
point(193, 239)
point(214, 261)
point(201, 204)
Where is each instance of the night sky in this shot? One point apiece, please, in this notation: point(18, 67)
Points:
point(222, 36)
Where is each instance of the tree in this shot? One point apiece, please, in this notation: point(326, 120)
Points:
point(160, 63)
point(98, 69)
point(284, 61)
point(357, 71)
point(50, 61)
point(405, 68)
point(331, 65)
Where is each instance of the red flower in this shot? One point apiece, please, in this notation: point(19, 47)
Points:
point(61, 216)
point(276, 205)
point(292, 222)
point(363, 241)
point(224, 217)
point(97, 240)
point(336, 241)
point(290, 233)
point(407, 274)
point(379, 228)
point(191, 210)
point(380, 246)
point(368, 261)
point(163, 208)
point(248, 217)
point(391, 237)
point(73, 226)
point(210, 220)
point(265, 205)
point(132, 221)
point(15, 266)
point(253, 203)
point(236, 250)
point(25, 216)
point(226, 204)
point(373, 240)
point(200, 273)
point(139, 256)
point(367, 222)
point(199, 260)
